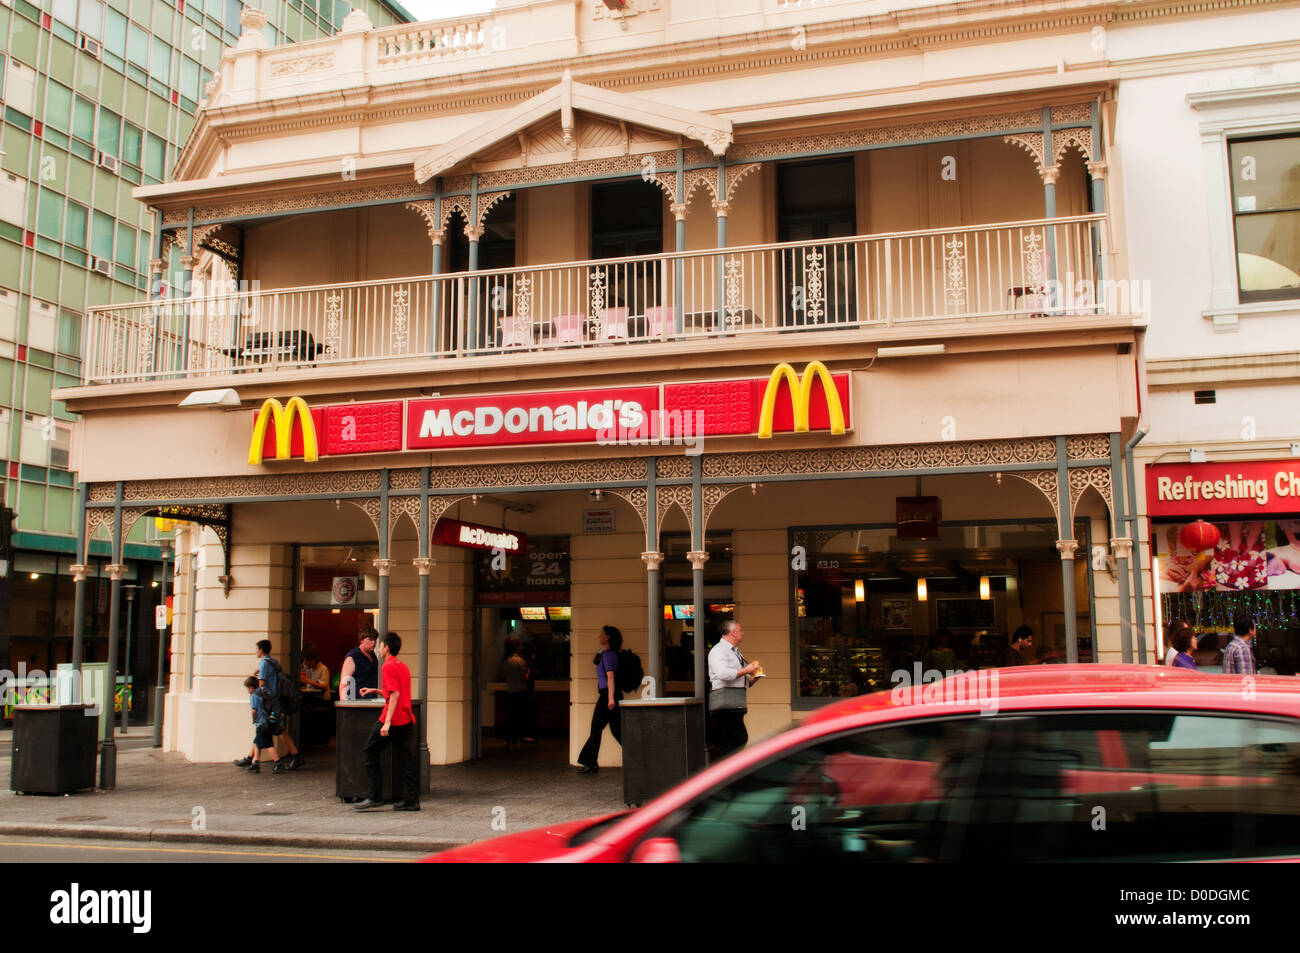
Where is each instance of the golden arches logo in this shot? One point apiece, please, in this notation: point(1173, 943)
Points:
point(800, 397)
point(283, 414)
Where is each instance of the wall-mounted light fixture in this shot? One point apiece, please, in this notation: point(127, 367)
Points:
point(984, 588)
point(921, 594)
point(859, 590)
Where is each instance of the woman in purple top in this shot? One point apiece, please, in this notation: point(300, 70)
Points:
point(1183, 640)
point(607, 697)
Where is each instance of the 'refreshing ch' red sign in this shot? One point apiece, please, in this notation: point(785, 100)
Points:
point(1242, 488)
point(572, 416)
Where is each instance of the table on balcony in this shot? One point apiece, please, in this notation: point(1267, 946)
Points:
point(291, 347)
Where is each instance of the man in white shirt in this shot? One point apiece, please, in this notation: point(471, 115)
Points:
point(728, 669)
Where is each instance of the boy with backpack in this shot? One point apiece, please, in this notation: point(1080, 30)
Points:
point(282, 694)
point(262, 737)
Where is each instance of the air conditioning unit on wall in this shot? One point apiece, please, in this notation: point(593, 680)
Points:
point(107, 161)
point(101, 265)
point(91, 46)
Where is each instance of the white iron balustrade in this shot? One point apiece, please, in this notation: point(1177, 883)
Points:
point(1026, 270)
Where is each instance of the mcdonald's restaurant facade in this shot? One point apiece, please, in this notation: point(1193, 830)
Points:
point(650, 322)
point(660, 499)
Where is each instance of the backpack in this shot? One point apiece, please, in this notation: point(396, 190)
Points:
point(273, 711)
point(629, 675)
point(286, 690)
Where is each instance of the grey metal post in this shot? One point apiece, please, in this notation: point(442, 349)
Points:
point(383, 563)
point(79, 595)
point(698, 558)
point(473, 232)
point(653, 558)
point(679, 266)
point(1123, 546)
point(1050, 174)
point(164, 638)
point(1066, 546)
point(127, 686)
point(720, 207)
point(108, 751)
point(422, 564)
point(1131, 501)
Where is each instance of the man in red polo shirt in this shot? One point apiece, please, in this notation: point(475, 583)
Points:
point(396, 724)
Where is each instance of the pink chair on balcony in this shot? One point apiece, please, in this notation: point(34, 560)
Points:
point(657, 317)
point(568, 328)
point(613, 326)
point(516, 332)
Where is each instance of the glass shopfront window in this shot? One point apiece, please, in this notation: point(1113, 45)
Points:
point(867, 604)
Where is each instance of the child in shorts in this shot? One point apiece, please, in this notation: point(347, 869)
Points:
point(261, 731)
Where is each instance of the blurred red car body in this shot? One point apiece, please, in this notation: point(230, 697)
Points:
point(857, 780)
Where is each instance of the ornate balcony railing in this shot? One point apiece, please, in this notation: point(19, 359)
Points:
point(1023, 270)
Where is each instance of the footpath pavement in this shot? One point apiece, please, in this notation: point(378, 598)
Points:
point(162, 797)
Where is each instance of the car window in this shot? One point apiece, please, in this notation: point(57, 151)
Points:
point(1131, 786)
point(1123, 786)
point(870, 796)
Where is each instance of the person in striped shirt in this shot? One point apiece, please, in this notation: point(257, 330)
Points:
point(1237, 657)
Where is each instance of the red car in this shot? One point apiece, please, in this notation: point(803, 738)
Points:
point(1087, 762)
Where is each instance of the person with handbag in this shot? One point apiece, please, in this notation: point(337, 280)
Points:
point(729, 679)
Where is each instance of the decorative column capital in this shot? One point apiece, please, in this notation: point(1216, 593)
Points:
point(155, 267)
point(1051, 174)
point(1122, 546)
point(115, 571)
point(721, 208)
point(422, 563)
point(473, 232)
point(1067, 547)
point(679, 211)
point(79, 571)
point(652, 561)
point(1097, 169)
point(384, 566)
point(698, 558)
point(189, 261)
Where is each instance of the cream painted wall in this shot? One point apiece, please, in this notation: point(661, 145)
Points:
point(384, 241)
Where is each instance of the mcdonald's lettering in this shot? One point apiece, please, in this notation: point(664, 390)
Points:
point(801, 395)
point(283, 415)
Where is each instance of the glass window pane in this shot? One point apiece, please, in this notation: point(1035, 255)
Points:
point(125, 245)
point(101, 236)
point(115, 33)
point(58, 106)
point(1268, 251)
point(160, 64)
point(232, 16)
point(49, 215)
point(83, 119)
point(190, 78)
point(137, 46)
point(65, 10)
point(74, 226)
point(92, 16)
point(155, 152)
point(70, 333)
point(1266, 174)
point(131, 139)
point(110, 126)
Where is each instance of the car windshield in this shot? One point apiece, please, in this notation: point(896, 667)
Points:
point(588, 834)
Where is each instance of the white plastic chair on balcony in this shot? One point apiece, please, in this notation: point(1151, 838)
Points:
point(613, 326)
point(656, 317)
point(516, 332)
point(568, 328)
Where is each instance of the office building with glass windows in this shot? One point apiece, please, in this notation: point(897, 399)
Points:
point(98, 98)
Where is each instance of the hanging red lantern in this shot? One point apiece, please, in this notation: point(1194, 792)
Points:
point(1199, 536)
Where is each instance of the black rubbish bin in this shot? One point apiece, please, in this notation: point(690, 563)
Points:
point(663, 745)
point(353, 721)
point(54, 749)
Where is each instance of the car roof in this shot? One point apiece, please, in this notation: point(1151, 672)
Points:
point(1061, 686)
